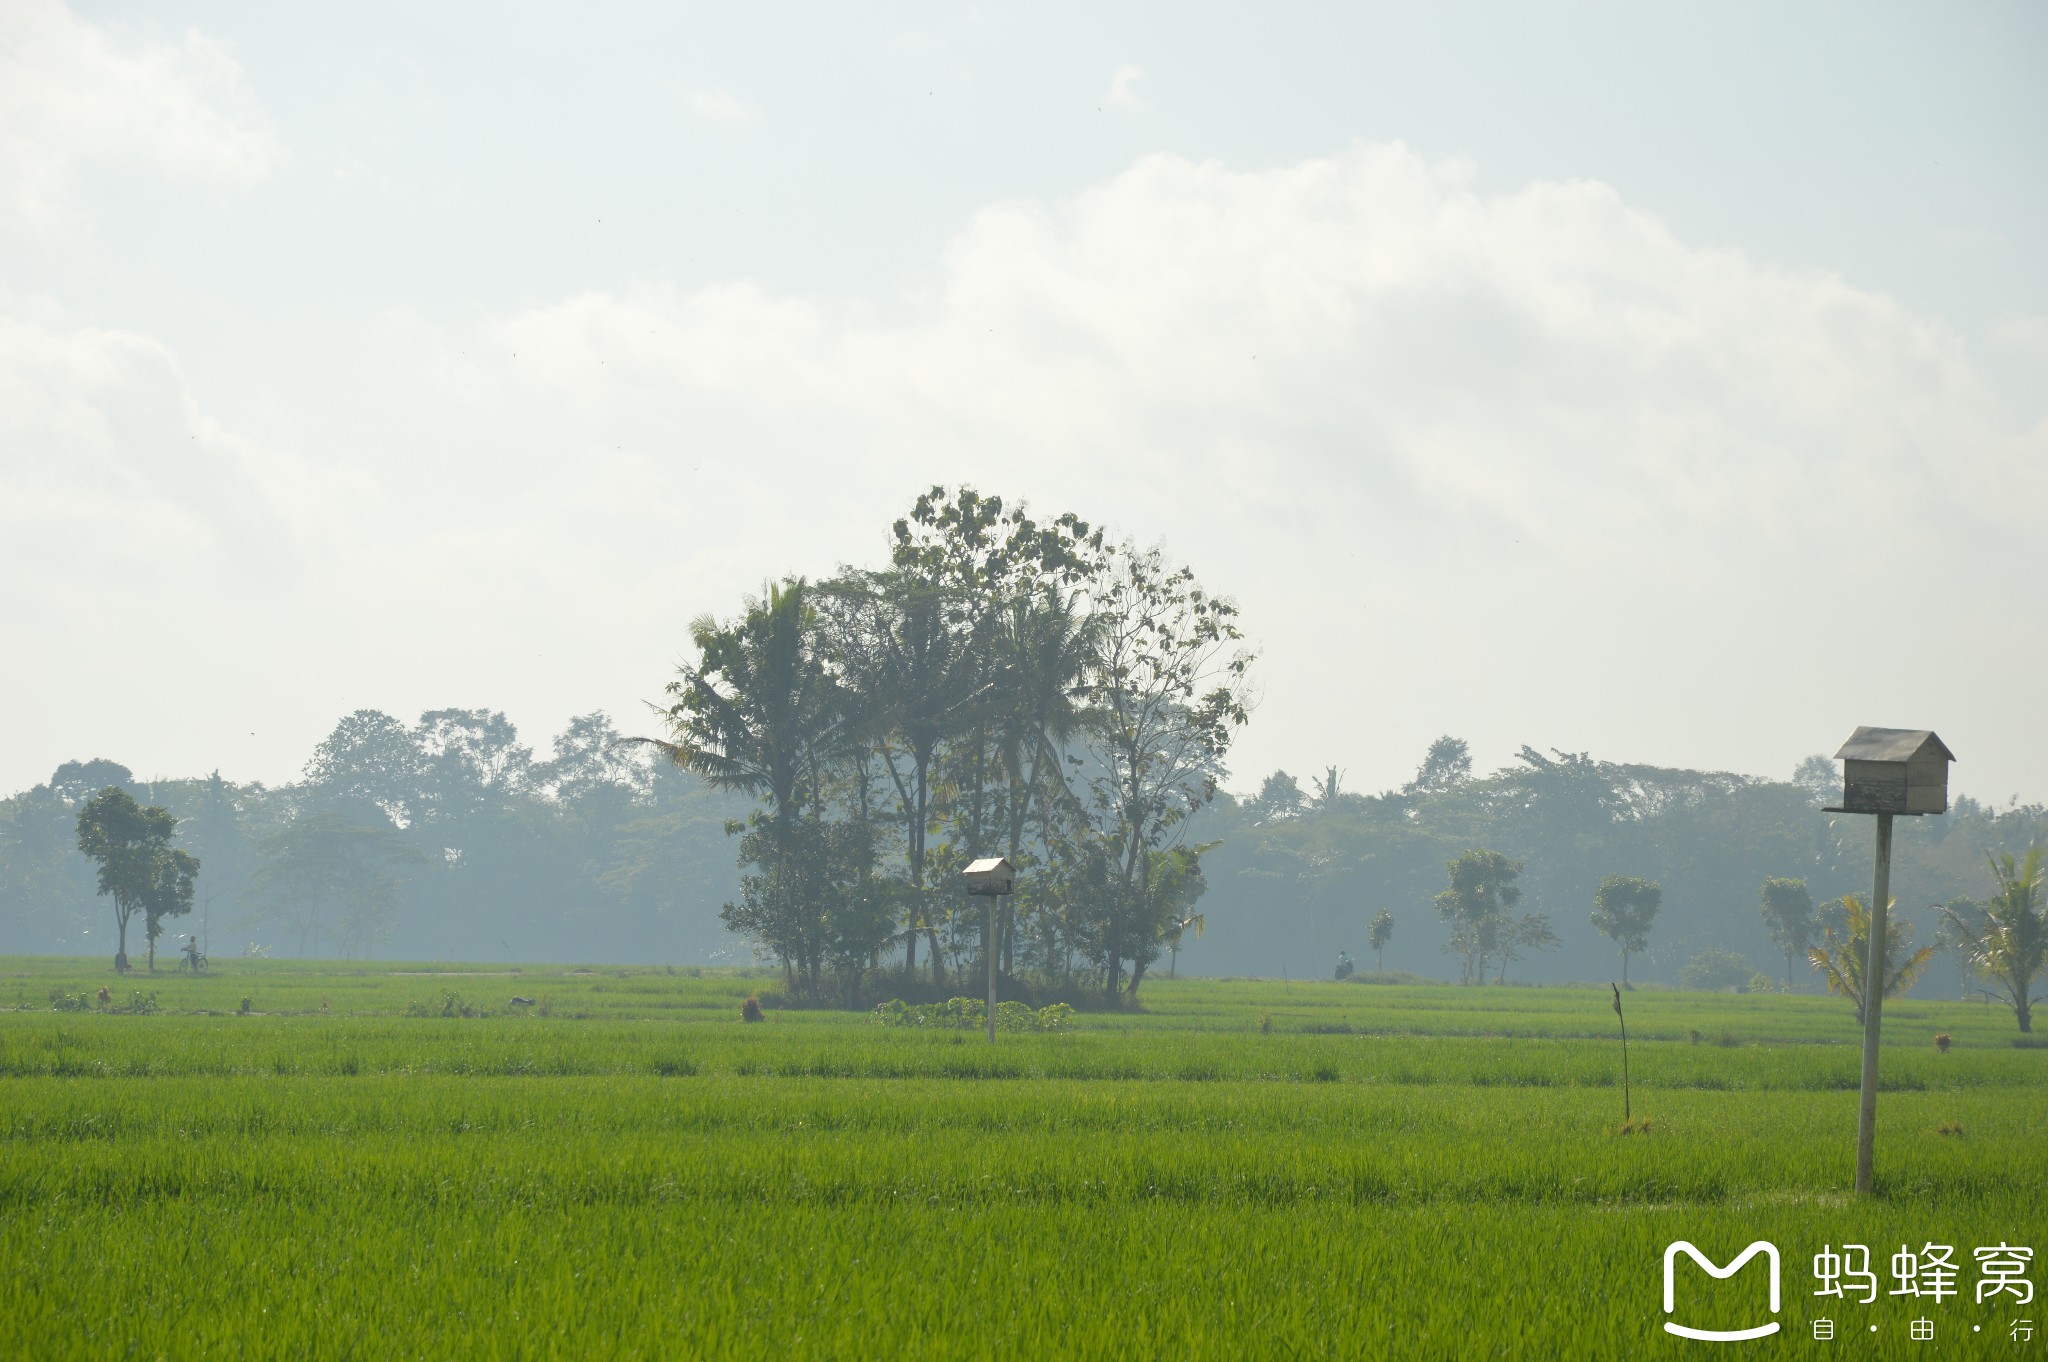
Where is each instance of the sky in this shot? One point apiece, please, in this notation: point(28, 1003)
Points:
point(1667, 383)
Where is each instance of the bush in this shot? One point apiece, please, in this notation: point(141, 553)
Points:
point(70, 1002)
point(750, 1010)
point(971, 1014)
point(1717, 971)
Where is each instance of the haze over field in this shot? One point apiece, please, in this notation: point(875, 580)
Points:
point(1665, 387)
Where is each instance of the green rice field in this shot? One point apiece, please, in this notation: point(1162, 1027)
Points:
point(1243, 1169)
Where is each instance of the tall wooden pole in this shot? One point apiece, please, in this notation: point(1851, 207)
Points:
point(989, 946)
point(1873, 1005)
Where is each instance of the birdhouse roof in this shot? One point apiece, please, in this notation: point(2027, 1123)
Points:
point(989, 863)
point(1892, 744)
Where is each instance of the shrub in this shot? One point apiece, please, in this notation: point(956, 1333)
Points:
point(1265, 1023)
point(70, 1002)
point(1942, 1042)
point(1715, 971)
point(971, 1014)
point(750, 1010)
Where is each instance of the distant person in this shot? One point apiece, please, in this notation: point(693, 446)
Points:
point(192, 957)
point(1343, 965)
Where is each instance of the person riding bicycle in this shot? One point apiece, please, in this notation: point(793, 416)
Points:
point(192, 956)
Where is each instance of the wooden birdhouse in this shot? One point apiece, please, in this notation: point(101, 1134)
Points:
point(1894, 770)
point(990, 875)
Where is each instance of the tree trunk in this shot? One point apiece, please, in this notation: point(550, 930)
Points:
point(1137, 977)
point(121, 943)
point(2023, 1008)
point(1624, 969)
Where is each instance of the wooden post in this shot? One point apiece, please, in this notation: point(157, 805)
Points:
point(1873, 1006)
point(989, 945)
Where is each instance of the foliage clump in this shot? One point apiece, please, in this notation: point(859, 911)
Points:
point(969, 1014)
point(1719, 971)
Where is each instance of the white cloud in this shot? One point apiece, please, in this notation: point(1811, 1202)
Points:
point(1123, 89)
point(1550, 361)
point(717, 106)
point(70, 93)
point(1357, 385)
point(1526, 467)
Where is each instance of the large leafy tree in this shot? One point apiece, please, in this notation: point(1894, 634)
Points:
point(1170, 688)
point(2006, 940)
point(1475, 904)
point(1624, 909)
point(368, 767)
point(1787, 909)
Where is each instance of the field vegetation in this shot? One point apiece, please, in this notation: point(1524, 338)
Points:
point(351, 1167)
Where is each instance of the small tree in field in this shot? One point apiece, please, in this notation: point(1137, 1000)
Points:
point(1843, 957)
point(1624, 906)
point(1476, 904)
point(1787, 910)
point(2006, 941)
point(137, 867)
point(1378, 935)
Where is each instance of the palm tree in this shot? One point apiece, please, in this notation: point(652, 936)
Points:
point(1377, 935)
point(758, 712)
point(2007, 943)
point(1043, 642)
point(1843, 958)
point(917, 671)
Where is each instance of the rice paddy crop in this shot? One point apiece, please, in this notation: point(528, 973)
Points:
point(1400, 1172)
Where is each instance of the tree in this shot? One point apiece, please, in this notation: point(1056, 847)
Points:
point(1447, 763)
point(1624, 907)
point(1787, 910)
point(1843, 956)
point(1482, 890)
point(369, 765)
point(2006, 941)
point(759, 714)
point(1525, 935)
point(321, 866)
point(168, 892)
point(1177, 885)
point(806, 900)
point(1820, 778)
point(1378, 934)
point(137, 868)
point(913, 663)
point(1170, 688)
point(1279, 797)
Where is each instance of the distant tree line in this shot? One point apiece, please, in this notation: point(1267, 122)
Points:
point(835, 750)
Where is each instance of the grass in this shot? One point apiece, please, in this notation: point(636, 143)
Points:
point(1390, 1171)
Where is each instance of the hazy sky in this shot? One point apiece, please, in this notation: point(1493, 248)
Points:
point(1667, 382)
